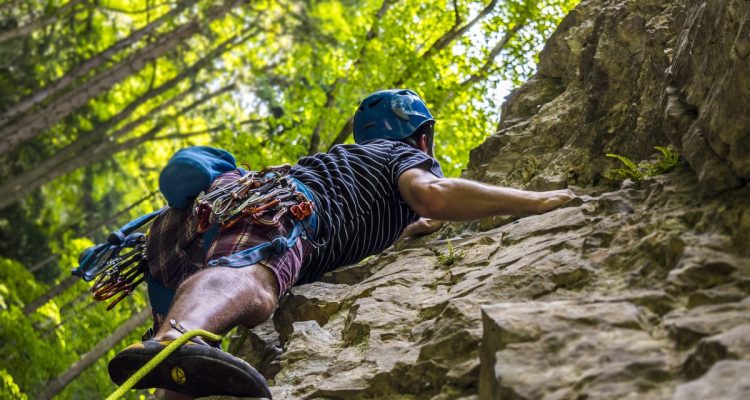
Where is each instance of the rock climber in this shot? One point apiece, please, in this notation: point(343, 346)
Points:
point(364, 196)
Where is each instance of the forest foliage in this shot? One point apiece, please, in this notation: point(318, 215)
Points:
point(96, 95)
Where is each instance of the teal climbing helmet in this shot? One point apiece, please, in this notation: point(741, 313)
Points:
point(392, 114)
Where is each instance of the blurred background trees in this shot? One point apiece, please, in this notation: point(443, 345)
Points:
point(95, 96)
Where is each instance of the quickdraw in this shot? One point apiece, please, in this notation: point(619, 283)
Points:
point(116, 267)
point(122, 275)
point(262, 198)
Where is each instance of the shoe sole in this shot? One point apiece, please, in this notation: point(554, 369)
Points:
point(194, 370)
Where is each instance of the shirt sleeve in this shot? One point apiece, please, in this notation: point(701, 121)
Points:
point(405, 157)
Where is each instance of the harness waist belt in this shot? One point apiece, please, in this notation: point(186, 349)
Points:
point(278, 245)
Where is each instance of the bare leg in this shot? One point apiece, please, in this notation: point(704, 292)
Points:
point(219, 298)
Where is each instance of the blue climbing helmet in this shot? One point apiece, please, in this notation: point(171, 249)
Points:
point(393, 114)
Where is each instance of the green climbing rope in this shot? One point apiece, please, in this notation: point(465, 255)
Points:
point(149, 366)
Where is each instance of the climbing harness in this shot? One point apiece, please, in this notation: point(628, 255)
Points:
point(262, 198)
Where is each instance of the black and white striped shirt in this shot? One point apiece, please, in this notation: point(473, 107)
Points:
point(360, 209)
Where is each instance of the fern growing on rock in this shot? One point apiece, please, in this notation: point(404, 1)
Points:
point(450, 257)
point(665, 162)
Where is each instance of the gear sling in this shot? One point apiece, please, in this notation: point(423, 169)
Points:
point(264, 198)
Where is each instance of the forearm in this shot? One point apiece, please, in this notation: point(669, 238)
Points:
point(462, 199)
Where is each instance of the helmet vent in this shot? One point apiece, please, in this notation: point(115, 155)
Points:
point(375, 102)
point(400, 113)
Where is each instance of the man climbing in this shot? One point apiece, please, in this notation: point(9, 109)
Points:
point(363, 196)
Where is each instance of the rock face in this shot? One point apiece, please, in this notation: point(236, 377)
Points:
point(623, 76)
point(640, 292)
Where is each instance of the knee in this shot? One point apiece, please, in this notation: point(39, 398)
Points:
point(252, 288)
point(264, 296)
point(259, 292)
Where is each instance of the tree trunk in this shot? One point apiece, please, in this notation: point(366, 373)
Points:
point(58, 384)
point(78, 314)
point(9, 4)
point(107, 149)
point(69, 158)
point(112, 219)
point(90, 64)
point(27, 127)
point(32, 124)
point(70, 281)
point(52, 293)
point(40, 23)
point(63, 162)
point(59, 164)
point(39, 265)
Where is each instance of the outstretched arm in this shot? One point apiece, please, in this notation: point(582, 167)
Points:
point(462, 200)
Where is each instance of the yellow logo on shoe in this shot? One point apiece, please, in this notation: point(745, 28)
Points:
point(178, 375)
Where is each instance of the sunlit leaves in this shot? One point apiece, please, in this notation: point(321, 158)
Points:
point(331, 19)
point(330, 57)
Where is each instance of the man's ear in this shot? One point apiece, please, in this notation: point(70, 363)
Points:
point(422, 143)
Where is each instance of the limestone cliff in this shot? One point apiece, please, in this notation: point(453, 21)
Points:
point(636, 292)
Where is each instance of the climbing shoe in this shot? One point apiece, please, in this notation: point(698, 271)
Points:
point(193, 369)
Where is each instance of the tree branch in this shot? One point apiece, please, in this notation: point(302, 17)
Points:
point(371, 34)
point(457, 13)
point(134, 12)
point(39, 23)
point(58, 384)
point(456, 31)
point(344, 133)
point(87, 66)
point(29, 126)
point(184, 135)
point(483, 71)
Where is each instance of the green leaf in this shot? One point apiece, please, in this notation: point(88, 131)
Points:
point(628, 162)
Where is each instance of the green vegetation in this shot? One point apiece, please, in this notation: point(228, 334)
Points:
point(95, 96)
point(667, 159)
point(450, 257)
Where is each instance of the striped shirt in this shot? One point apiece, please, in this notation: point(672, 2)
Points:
point(360, 209)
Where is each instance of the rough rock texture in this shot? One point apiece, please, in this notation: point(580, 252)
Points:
point(622, 76)
point(640, 292)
